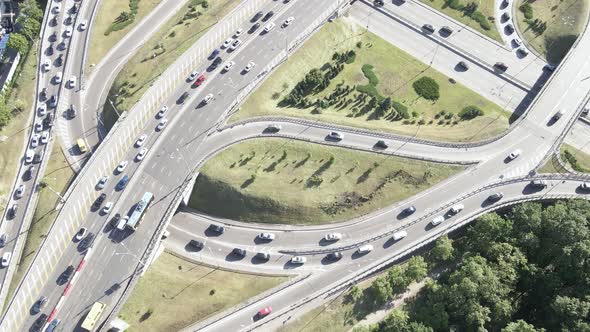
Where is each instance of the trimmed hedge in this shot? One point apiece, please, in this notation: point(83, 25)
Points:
point(427, 88)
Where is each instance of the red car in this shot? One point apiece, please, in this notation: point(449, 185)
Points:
point(199, 81)
point(264, 312)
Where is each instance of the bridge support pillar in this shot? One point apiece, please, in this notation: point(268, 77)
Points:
point(186, 195)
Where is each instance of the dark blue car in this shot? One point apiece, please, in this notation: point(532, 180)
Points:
point(122, 183)
point(214, 54)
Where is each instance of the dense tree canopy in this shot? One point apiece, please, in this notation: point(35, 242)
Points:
point(526, 271)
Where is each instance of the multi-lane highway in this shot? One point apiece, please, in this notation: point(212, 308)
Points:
point(189, 138)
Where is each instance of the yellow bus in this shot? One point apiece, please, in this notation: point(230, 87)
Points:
point(81, 145)
point(93, 316)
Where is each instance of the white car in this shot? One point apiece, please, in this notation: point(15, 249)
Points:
point(38, 127)
point(107, 207)
point(266, 236)
point(56, 9)
point(46, 65)
point(298, 260)
point(81, 234)
point(365, 249)
point(141, 140)
point(238, 32)
point(235, 44)
point(161, 124)
point(20, 191)
point(288, 21)
point(228, 65)
point(72, 82)
point(161, 112)
point(437, 221)
point(585, 186)
point(29, 156)
point(6, 259)
point(208, 98)
point(514, 154)
point(83, 25)
point(102, 182)
point(57, 78)
point(122, 165)
point(333, 237)
point(35, 141)
point(44, 137)
point(457, 208)
point(399, 235)
point(249, 66)
point(269, 27)
point(68, 32)
point(42, 110)
point(141, 154)
point(227, 42)
point(192, 75)
point(523, 51)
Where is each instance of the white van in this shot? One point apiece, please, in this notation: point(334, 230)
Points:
point(29, 156)
point(365, 249)
point(436, 221)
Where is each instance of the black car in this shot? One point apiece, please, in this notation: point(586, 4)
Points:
point(334, 256)
point(446, 30)
point(74, 9)
point(239, 252)
point(52, 102)
point(196, 244)
point(496, 196)
point(43, 94)
point(98, 202)
point(268, 16)
point(182, 98)
point(38, 325)
point(59, 61)
point(68, 20)
point(263, 256)
point(254, 27)
point(382, 144)
point(87, 241)
point(378, 2)
point(39, 304)
point(115, 220)
point(216, 62)
point(66, 275)
point(72, 111)
point(48, 121)
point(428, 27)
point(53, 37)
point(2, 240)
point(409, 210)
point(256, 17)
point(50, 49)
point(37, 158)
point(501, 66)
point(217, 229)
point(29, 173)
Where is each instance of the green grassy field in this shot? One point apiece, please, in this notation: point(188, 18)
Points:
point(395, 70)
point(551, 166)
point(276, 181)
point(180, 293)
point(107, 12)
point(581, 160)
point(486, 7)
point(12, 136)
point(58, 177)
point(565, 20)
point(157, 54)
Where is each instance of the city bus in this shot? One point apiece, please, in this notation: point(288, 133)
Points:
point(81, 145)
point(93, 316)
point(140, 210)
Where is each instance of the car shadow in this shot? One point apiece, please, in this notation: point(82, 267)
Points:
point(328, 261)
point(357, 254)
point(258, 260)
point(258, 240)
point(459, 68)
point(290, 266)
point(508, 31)
point(209, 232)
point(531, 189)
point(429, 226)
point(323, 242)
point(190, 248)
point(116, 286)
point(552, 121)
point(231, 257)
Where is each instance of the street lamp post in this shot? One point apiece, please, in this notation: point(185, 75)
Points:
point(113, 105)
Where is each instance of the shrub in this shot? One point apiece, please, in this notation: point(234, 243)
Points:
point(359, 44)
point(369, 74)
point(427, 88)
point(527, 10)
point(470, 112)
point(401, 109)
point(481, 19)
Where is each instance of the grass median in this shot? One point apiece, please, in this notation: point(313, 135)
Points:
point(576, 159)
point(377, 68)
point(464, 12)
point(58, 176)
point(553, 26)
point(103, 38)
point(157, 54)
point(284, 181)
point(175, 293)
